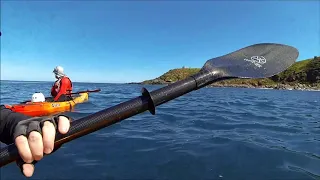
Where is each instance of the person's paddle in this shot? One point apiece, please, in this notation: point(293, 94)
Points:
point(256, 61)
point(87, 91)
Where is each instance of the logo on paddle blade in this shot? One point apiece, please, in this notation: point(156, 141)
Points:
point(257, 60)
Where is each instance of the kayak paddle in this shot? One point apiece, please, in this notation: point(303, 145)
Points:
point(87, 91)
point(255, 61)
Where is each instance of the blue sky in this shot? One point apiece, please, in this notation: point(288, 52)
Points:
point(109, 41)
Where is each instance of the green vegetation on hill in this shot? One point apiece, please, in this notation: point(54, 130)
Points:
point(173, 75)
point(303, 72)
point(307, 71)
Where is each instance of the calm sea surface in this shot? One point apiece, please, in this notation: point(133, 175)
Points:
point(212, 133)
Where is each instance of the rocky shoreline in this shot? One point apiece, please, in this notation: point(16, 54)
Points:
point(302, 87)
point(278, 86)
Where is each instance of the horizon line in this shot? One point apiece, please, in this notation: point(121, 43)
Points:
point(15, 80)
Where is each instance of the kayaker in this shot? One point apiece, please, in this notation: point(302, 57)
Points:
point(62, 87)
point(26, 132)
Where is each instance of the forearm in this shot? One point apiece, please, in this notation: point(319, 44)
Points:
point(57, 96)
point(52, 91)
point(8, 121)
point(62, 90)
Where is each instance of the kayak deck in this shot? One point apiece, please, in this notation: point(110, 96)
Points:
point(48, 108)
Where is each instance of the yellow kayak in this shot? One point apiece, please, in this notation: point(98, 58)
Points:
point(48, 108)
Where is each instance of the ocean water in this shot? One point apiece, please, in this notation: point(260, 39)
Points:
point(212, 133)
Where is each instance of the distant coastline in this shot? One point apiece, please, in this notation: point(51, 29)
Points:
point(41, 81)
point(302, 75)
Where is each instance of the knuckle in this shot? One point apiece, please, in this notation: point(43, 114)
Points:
point(63, 118)
point(34, 136)
point(47, 125)
point(48, 141)
point(20, 139)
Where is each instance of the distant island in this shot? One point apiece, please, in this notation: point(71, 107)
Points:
point(302, 75)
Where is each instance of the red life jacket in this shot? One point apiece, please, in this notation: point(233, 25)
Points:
point(62, 86)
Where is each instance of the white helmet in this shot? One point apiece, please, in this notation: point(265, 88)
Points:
point(38, 97)
point(58, 71)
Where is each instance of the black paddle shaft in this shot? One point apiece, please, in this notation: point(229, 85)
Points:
point(112, 115)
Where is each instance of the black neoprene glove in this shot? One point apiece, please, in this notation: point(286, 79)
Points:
point(25, 127)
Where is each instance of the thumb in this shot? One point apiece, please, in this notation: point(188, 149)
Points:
point(27, 169)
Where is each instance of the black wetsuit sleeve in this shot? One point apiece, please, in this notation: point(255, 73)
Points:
point(8, 122)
